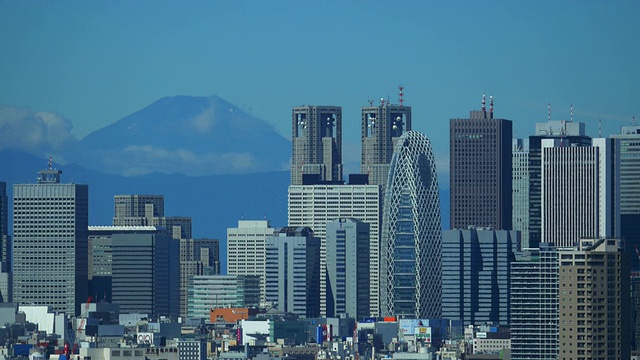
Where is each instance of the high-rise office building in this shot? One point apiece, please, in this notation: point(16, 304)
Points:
point(245, 249)
point(476, 279)
point(580, 191)
point(5, 246)
point(629, 142)
point(316, 140)
point(292, 271)
point(148, 210)
point(347, 268)
point(50, 222)
point(197, 257)
point(101, 255)
point(208, 292)
point(594, 301)
point(520, 188)
point(141, 266)
point(411, 275)
point(381, 128)
point(316, 205)
point(480, 171)
point(534, 304)
point(569, 131)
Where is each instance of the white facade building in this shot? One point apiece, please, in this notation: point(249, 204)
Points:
point(245, 249)
point(580, 191)
point(316, 205)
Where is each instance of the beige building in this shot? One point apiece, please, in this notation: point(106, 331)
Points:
point(594, 301)
point(245, 249)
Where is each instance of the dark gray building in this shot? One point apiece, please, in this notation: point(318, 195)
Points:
point(476, 265)
point(382, 126)
point(292, 271)
point(5, 246)
point(316, 140)
point(347, 259)
point(50, 222)
point(480, 171)
point(144, 268)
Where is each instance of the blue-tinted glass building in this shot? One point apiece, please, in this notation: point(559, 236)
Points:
point(475, 275)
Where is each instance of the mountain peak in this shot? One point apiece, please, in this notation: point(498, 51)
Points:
point(186, 134)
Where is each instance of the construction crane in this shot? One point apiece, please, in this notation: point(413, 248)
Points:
point(83, 317)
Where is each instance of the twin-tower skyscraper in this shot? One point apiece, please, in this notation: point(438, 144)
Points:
point(405, 272)
point(317, 141)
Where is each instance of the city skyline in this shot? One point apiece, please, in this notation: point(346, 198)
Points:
point(444, 68)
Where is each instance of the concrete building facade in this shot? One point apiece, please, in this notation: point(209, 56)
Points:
point(480, 171)
point(316, 205)
point(316, 133)
point(148, 210)
point(348, 277)
point(381, 127)
point(534, 304)
point(292, 271)
point(594, 301)
point(569, 131)
point(580, 191)
point(246, 251)
point(629, 142)
point(50, 222)
point(520, 188)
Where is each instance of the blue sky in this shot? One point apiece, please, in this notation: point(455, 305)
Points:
point(96, 62)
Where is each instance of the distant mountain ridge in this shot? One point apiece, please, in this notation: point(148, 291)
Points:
point(184, 134)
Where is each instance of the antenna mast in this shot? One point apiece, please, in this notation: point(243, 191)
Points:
point(599, 128)
point(484, 108)
point(401, 88)
point(571, 114)
point(549, 111)
point(491, 106)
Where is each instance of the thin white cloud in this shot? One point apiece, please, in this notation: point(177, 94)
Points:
point(38, 133)
point(145, 159)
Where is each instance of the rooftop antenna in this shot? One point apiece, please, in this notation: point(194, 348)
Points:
point(370, 102)
point(549, 111)
point(401, 88)
point(571, 114)
point(491, 106)
point(599, 128)
point(633, 122)
point(50, 162)
point(484, 108)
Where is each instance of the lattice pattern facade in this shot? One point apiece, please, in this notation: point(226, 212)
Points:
point(411, 235)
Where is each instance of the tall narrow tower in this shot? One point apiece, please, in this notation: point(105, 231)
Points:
point(382, 126)
point(316, 139)
point(411, 276)
point(480, 171)
point(50, 235)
